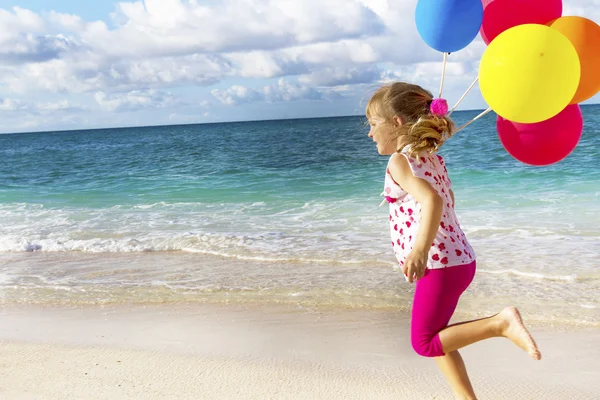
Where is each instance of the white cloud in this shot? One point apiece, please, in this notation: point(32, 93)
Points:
point(47, 121)
point(85, 72)
point(168, 43)
point(24, 38)
point(584, 8)
point(61, 105)
point(280, 92)
point(151, 47)
point(20, 20)
point(8, 104)
point(68, 22)
point(197, 68)
point(162, 43)
point(173, 42)
point(71, 76)
point(237, 94)
point(134, 100)
point(263, 64)
point(286, 91)
point(24, 115)
point(336, 76)
point(176, 27)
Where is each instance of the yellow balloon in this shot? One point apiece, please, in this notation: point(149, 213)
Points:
point(529, 73)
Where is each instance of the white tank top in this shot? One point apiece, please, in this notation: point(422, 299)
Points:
point(450, 246)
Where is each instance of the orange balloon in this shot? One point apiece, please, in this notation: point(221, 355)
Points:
point(584, 34)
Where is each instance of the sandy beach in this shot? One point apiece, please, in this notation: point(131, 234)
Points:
point(265, 352)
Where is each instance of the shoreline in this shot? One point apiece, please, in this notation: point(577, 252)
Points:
point(247, 352)
point(189, 280)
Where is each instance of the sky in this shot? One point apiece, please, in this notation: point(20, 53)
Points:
point(73, 64)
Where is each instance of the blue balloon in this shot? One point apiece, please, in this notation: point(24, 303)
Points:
point(449, 25)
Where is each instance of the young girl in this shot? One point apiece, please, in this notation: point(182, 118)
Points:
point(429, 244)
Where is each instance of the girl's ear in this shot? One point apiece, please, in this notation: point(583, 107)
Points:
point(398, 121)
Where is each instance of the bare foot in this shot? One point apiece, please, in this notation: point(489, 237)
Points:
point(515, 330)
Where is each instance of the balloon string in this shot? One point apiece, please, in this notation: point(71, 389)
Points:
point(443, 74)
point(473, 120)
point(463, 96)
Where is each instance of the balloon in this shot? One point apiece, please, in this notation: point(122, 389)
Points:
point(500, 15)
point(545, 142)
point(448, 25)
point(584, 34)
point(529, 73)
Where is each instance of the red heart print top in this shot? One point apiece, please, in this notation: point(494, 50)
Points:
point(450, 246)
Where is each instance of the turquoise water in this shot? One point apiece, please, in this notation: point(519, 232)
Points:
point(304, 192)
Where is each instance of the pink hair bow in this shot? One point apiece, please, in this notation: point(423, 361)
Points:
point(439, 107)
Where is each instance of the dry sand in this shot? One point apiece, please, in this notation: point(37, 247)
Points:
point(266, 352)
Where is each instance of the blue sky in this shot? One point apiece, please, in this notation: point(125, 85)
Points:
point(70, 64)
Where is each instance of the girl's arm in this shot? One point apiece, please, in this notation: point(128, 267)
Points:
point(431, 214)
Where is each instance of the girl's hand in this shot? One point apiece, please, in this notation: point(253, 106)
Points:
point(415, 264)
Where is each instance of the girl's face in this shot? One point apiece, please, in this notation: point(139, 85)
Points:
point(384, 134)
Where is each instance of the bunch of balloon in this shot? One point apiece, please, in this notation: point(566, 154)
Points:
point(537, 68)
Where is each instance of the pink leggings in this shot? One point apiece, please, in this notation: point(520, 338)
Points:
point(436, 297)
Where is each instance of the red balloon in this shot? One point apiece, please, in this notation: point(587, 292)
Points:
point(500, 15)
point(542, 143)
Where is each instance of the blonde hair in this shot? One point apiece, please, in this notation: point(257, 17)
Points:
point(420, 129)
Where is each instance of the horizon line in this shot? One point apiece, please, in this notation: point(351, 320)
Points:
point(216, 122)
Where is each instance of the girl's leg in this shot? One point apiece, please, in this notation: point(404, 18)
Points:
point(507, 323)
point(453, 368)
point(436, 297)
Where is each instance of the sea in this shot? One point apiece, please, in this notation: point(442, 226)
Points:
point(285, 212)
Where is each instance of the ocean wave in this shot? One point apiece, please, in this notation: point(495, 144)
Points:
point(494, 256)
point(226, 246)
point(308, 232)
point(534, 275)
point(301, 260)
